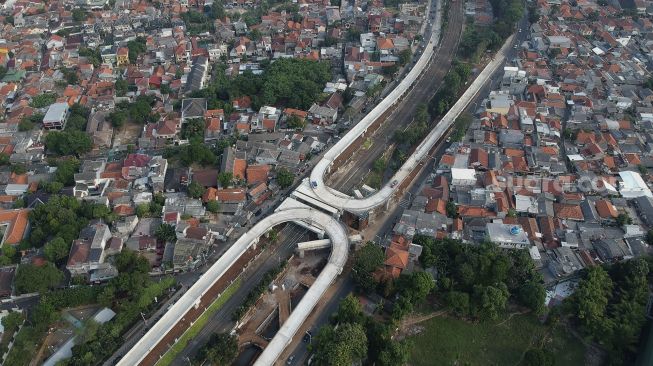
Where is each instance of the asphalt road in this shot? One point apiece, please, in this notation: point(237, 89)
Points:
point(351, 174)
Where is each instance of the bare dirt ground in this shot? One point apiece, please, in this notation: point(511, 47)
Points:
point(127, 135)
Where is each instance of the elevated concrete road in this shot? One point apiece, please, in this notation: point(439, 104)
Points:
point(338, 199)
point(333, 228)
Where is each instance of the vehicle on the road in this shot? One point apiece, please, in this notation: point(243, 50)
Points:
point(290, 360)
point(394, 183)
point(448, 139)
point(314, 184)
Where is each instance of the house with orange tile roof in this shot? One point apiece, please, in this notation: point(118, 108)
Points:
point(15, 225)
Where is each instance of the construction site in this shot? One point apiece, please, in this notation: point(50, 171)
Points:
point(263, 320)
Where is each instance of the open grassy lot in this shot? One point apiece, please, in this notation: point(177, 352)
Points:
point(449, 341)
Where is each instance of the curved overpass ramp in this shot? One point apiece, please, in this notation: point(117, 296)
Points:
point(342, 201)
point(333, 228)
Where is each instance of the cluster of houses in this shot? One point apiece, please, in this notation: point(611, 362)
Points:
point(58, 56)
point(557, 160)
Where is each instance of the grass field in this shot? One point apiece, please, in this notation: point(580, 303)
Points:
point(448, 341)
point(191, 332)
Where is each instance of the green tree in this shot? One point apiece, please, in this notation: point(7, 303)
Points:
point(79, 15)
point(366, 261)
point(31, 278)
point(404, 56)
point(415, 286)
point(490, 301)
point(68, 142)
point(225, 179)
point(451, 209)
point(195, 189)
point(538, 357)
point(26, 124)
point(341, 347)
point(590, 301)
point(136, 48)
point(221, 349)
point(395, 353)
point(213, 206)
point(285, 178)
point(66, 169)
point(349, 310)
point(532, 295)
point(458, 302)
point(296, 122)
point(193, 129)
point(624, 219)
point(43, 100)
point(13, 320)
point(121, 87)
point(56, 249)
point(166, 233)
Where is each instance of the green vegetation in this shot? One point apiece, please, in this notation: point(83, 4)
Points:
point(609, 306)
point(340, 347)
point(195, 190)
point(197, 22)
point(221, 349)
point(29, 123)
point(92, 55)
point(285, 178)
point(294, 83)
point(193, 129)
point(166, 233)
point(152, 209)
point(68, 142)
point(140, 112)
point(77, 118)
point(461, 125)
point(447, 95)
point(193, 153)
point(31, 278)
point(197, 326)
point(63, 217)
point(213, 206)
point(358, 337)
point(257, 291)
point(136, 48)
point(225, 179)
point(43, 100)
point(296, 123)
point(477, 280)
point(417, 130)
point(458, 342)
point(79, 15)
point(129, 294)
point(366, 261)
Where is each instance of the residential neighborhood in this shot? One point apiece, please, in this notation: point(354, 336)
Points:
point(141, 140)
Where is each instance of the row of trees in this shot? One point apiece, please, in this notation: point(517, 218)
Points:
point(447, 95)
point(478, 280)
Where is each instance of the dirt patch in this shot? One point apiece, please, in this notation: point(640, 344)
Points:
point(127, 135)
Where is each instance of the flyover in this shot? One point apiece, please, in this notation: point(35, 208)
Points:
point(336, 232)
point(344, 202)
point(191, 299)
